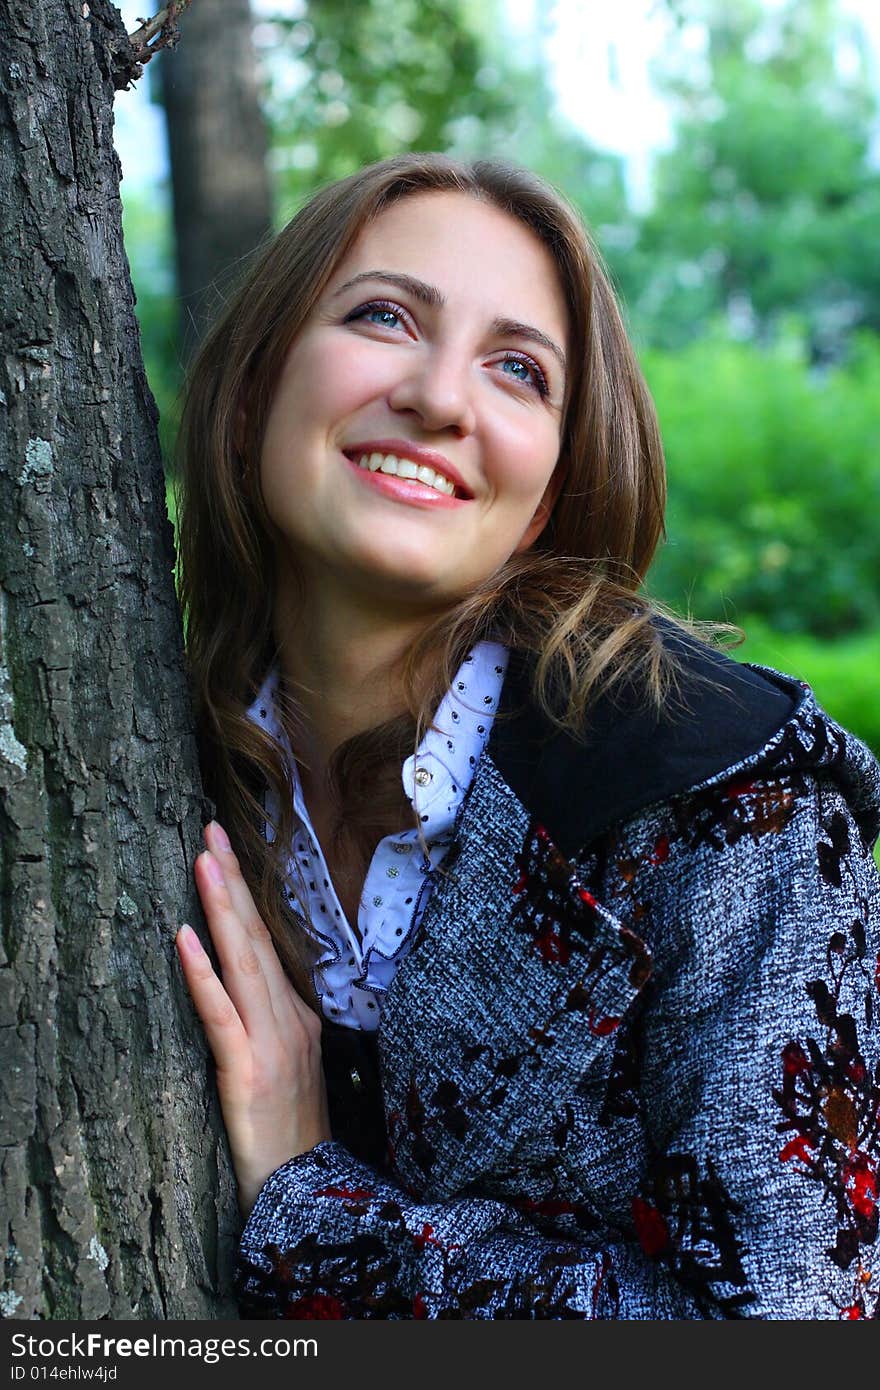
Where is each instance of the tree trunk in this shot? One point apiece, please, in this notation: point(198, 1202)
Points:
point(217, 143)
point(117, 1199)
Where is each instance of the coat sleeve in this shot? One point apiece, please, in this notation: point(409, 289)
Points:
point(329, 1237)
point(758, 1097)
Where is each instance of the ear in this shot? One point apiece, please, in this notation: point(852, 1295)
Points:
point(543, 512)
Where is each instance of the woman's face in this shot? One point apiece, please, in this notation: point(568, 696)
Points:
point(413, 435)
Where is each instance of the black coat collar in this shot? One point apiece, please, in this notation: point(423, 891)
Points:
point(632, 756)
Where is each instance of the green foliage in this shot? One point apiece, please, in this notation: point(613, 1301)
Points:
point(768, 203)
point(351, 83)
point(774, 482)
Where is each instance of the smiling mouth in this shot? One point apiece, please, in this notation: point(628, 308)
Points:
point(393, 466)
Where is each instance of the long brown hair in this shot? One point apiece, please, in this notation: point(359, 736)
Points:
point(571, 601)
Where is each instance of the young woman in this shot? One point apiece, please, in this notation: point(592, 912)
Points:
point(548, 945)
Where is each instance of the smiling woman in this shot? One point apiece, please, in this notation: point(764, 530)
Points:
point(546, 986)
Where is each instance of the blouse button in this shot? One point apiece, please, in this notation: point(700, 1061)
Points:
point(356, 1082)
point(423, 776)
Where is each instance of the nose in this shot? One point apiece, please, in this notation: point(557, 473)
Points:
point(438, 389)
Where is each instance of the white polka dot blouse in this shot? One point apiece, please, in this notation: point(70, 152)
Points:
point(354, 970)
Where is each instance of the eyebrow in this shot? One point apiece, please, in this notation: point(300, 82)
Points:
point(428, 294)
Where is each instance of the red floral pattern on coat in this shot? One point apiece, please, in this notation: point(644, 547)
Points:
point(557, 912)
point(317, 1305)
point(831, 1102)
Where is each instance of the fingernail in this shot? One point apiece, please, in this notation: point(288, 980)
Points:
point(189, 941)
point(221, 839)
point(214, 871)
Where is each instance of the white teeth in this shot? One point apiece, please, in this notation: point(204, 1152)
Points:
point(406, 468)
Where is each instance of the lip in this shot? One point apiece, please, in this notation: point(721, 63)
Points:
point(405, 449)
point(408, 490)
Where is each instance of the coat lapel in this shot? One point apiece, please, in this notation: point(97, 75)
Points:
point(518, 985)
point(631, 755)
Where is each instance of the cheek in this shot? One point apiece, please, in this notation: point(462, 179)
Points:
point(326, 380)
point(330, 376)
point(524, 455)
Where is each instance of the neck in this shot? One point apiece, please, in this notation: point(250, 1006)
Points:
point(339, 658)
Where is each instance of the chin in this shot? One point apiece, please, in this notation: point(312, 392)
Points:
point(410, 580)
point(405, 563)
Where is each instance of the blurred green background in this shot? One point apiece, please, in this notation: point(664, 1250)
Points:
point(748, 270)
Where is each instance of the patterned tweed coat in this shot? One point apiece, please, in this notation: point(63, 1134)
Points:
point(630, 1069)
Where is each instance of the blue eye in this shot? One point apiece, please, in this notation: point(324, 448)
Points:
point(383, 315)
point(386, 317)
point(520, 370)
point(524, 370)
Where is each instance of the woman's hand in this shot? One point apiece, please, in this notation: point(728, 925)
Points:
point(266, 1042)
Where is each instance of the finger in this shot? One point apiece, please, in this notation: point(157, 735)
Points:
point(223, 1027)
point(217, 842)
point(243, 976)
point(281, 991)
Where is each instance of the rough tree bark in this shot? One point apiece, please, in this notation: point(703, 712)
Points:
point(116, 1194)
point(217, 144)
